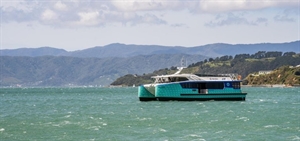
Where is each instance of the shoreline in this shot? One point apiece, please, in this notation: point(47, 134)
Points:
point(272, 86)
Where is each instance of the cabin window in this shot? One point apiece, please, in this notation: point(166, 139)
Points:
point(236, 85)
point(189, 85)
point(215, 85)
point(177, 79)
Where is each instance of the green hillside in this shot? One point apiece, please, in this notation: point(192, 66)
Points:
point(285, 75)
point(242, 64)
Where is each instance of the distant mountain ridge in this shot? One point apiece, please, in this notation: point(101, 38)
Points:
point(47, 66)
point(75, 71)
point(123, 50)
point(33, 52)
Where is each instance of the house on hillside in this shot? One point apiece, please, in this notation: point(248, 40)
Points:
point(294, 66)
point(263, 72)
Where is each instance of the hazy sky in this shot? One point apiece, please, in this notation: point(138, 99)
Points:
point(80, 24)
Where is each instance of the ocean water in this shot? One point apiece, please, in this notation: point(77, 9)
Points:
point(92, 114)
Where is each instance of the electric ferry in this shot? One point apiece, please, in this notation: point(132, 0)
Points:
point(189, 87)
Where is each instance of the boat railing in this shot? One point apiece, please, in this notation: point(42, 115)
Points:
point(231, 75)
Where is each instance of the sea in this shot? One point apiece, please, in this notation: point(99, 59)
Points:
point(116, 114)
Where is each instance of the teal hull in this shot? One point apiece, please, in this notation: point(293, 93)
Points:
point(175, 91)
point(145, 95)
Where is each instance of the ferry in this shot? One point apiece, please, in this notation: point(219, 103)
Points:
point(189, 87)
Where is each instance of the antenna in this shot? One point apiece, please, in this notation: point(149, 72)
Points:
point(182, 65)
point(183, 62)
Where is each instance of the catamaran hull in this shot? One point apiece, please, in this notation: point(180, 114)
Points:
point(186, 92)
point(207, 98)
point(146, 93)
point(223, 97)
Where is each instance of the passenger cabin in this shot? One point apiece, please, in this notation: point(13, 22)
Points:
point(200, 83)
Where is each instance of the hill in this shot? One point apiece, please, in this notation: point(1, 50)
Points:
point(123, 50)
point(242, 64)
point(285, 75)
point(245, 66)
point(134, 79)
point(33, 52)
point(48, 66)
point(74, 71)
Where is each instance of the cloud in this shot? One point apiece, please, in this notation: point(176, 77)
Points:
point(150, 18)
point(18, 11)
point(48, 15)
point(217, 6)
point(133, 12)
point(287, 15)
point(60, 6)
point(146, 5)
point(234, 19)
point(19, 5)
point(89, 18)
point(179, 25)
point(201, 6)
point(261, 20)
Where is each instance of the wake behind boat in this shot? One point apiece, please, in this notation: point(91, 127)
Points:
point(192, 87)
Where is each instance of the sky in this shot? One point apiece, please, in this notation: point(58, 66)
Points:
point(81, 24)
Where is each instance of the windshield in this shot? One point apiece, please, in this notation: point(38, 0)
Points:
point(169, 79)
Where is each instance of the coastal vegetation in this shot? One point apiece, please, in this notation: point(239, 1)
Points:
point(285, 75)
point(242, 64)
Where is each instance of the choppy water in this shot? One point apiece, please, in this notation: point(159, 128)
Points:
point(116, 114)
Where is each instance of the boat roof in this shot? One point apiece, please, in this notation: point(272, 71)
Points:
point(173, 75)
point(203, 77)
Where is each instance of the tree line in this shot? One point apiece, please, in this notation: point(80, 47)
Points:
point(242, 64)
point(258, 55)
